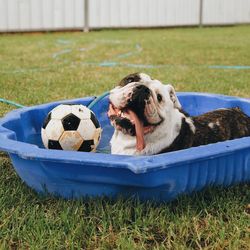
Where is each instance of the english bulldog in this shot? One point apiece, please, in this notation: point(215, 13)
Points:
point(148, 119)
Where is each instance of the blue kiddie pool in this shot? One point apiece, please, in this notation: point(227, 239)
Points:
point(160, 177)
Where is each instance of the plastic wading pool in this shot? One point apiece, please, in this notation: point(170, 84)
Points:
point(159, 177)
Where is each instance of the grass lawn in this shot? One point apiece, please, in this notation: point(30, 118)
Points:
point(39, 68)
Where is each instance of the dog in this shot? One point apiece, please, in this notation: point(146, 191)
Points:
point(148, 119)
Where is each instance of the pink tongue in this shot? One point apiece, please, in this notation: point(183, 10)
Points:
point(140, 143)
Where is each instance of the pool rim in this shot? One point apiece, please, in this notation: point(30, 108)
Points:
point(137, 164)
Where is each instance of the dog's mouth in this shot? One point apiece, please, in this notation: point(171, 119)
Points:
point(127, 121)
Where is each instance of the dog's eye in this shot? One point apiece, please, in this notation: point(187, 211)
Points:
point(159, 97)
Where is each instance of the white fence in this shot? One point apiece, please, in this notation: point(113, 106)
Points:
point(29, 15)
point(143, 13)
point(35, 15)
point(219, 12)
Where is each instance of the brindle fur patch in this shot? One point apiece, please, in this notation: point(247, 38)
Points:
point(228, 124)
point(212, 127)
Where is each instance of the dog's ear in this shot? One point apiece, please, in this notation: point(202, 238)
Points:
point(173, 96)
point(135, 77)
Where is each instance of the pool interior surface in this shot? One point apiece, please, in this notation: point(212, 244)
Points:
point(27, 127)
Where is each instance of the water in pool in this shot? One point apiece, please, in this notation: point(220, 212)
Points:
point(37, 140)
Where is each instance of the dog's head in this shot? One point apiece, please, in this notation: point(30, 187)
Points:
point(140, 104)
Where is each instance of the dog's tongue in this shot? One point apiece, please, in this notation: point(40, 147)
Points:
point(139, 130)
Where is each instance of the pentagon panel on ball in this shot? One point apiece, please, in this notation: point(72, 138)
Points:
point(71, 127)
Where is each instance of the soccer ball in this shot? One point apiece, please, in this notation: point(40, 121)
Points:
point(71, 127)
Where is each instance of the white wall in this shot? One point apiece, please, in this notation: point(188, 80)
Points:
point(242, 11)
point(226, 12)
point(22, 15)
point(219, 11)
point(28, 15)
point(143, 13)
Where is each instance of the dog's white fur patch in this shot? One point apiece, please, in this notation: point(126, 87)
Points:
point(191, 124)
point(211, 125)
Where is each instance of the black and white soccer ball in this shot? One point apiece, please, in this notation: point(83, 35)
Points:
point(71, 127)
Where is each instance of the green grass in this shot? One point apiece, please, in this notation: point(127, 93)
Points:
point(216, 218)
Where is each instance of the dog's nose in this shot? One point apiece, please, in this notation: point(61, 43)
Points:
point(143, 89)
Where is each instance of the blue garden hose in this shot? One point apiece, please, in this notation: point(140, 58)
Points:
point(90, 106)
point(97, 99)
point(11, 103)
